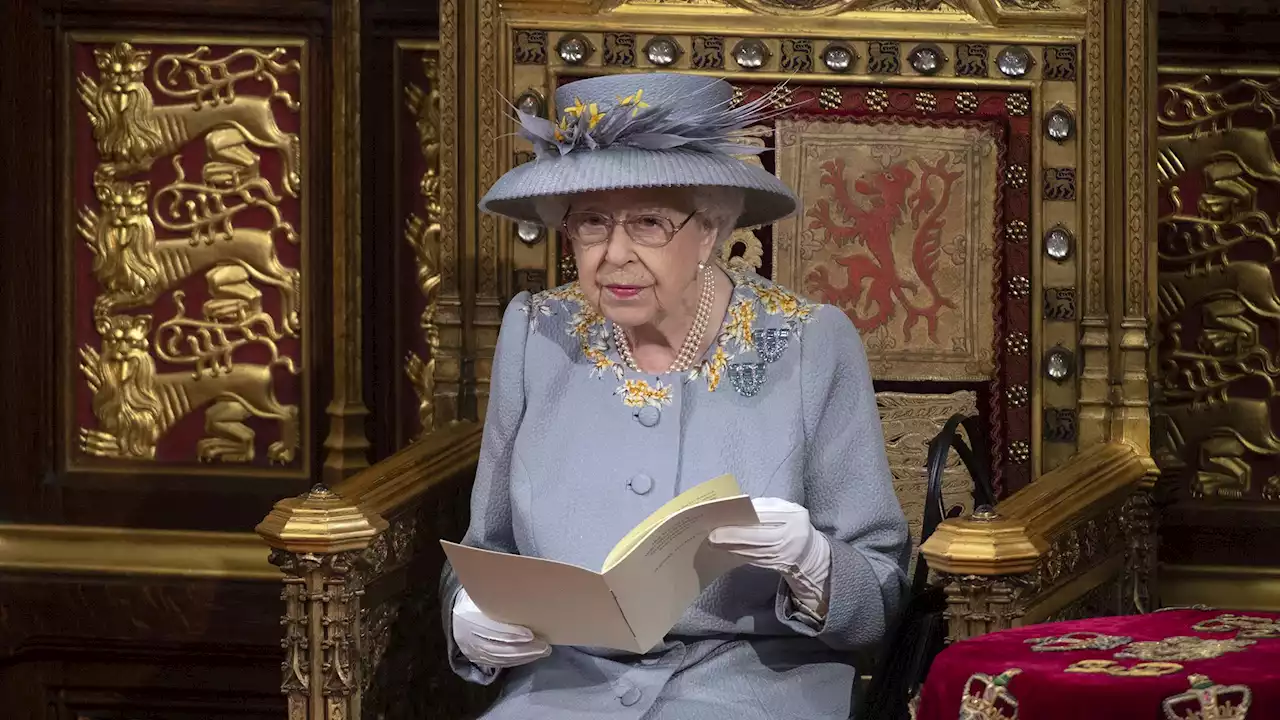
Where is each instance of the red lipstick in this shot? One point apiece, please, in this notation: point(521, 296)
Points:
point(624, 292)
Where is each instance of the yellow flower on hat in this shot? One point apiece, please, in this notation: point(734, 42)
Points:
point(562, 128)
point(576, 109)
point(594, 116)
point(635, 102)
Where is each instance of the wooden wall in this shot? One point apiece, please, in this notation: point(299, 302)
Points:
point(195, 327)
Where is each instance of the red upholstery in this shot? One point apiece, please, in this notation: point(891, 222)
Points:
point(1167, 664)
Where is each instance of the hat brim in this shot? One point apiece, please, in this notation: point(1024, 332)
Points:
point(515, 194)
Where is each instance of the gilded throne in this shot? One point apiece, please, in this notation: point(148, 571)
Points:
point(958, 201)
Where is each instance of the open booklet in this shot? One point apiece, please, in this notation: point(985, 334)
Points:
point(648, 580)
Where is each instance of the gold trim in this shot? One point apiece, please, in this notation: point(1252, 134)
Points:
point(1136, 267)
point(348, 516)
point(984, 548)
point(1093, 358)
point(1268, 71)
point(886, 26)
point(1098, 477)
point(1240, 588)
point(321, 522)
point(131, 551)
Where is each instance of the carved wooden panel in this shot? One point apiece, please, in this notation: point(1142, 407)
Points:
point(187, 234)
point(425, 185)
point(1219, 182)
point(910, 421)
point(407, 675)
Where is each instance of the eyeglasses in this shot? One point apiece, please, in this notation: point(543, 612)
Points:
point(647, 229)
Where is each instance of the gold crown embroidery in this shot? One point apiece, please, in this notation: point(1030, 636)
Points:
point(1245, 626)
point(1115, 669)
point(1207, 701)
point(1082, 640)
point(1175, 649)
point(989, 698)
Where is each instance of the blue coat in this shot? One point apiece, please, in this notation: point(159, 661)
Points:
point(577, 450)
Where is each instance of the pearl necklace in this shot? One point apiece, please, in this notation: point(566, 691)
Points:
point(689, 350)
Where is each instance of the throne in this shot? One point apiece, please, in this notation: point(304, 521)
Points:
point(972, 184)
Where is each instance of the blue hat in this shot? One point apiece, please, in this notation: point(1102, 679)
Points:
point(642, 130)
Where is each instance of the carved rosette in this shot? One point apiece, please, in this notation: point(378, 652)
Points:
point(188, 304)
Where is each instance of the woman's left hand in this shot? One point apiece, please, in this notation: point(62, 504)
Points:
point(787, 542)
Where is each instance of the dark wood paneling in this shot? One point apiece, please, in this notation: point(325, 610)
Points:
point(135, 648)
point(26, 275)
point(389, 312)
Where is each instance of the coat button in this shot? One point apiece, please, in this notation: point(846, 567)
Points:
point(649, 415)
point(628, 695)
point(640, 484)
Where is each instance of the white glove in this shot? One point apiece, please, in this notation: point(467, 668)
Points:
point(787, 542)
point(487, 642)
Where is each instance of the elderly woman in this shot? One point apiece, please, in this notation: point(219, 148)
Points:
point(655, 371)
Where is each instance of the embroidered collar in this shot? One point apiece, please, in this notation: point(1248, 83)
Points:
point(753, 299)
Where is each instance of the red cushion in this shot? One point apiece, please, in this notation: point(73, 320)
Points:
point(1131, 668)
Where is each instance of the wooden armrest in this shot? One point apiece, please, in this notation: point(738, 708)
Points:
point(349, 515)
point(1013, 540)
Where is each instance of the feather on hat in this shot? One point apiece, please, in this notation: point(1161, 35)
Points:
point(643, 130)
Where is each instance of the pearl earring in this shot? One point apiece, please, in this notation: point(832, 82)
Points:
point(702, 266)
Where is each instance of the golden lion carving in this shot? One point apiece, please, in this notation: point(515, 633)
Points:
point(134, 268)
point(132, 131)
point(135, 405)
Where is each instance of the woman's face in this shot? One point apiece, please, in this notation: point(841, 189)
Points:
point(629, 282)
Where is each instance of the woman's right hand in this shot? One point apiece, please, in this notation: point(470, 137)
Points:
point(486, 641)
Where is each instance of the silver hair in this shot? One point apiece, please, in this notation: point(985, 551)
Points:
point(718, 208)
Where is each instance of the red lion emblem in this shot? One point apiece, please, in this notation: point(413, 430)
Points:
point(873, 277)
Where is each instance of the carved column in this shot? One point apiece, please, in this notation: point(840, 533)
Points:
point(1095, 322)
point(1139, 517)
point(316, 540)
point(347, 446)
point(1132, 420)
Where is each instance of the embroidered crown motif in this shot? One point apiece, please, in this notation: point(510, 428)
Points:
point(989, 698)
point(1115, 669)
point(1082, 640)
point(1207, 701)
point(1248, 626)
point(1179, 648)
